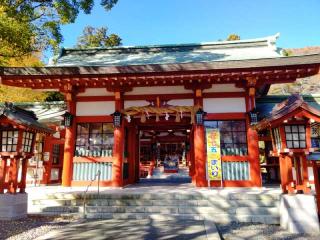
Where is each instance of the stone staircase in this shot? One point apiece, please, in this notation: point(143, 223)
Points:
point(257, 207)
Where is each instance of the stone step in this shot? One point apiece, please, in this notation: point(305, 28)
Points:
point(240, 211)
point(160, 196)
point(218, 218)
point(184, 210)
point(225, 203)
point(55, 209)
point(221, 203)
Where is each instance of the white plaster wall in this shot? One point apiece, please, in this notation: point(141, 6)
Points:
point(158, 90)
point(56, 134)
point(310, 174)
point(294, 174)
point(224, 105)
point(96, 92)
point(138, 103)
point(95, 108)
point(181, 102)
point(224, 88)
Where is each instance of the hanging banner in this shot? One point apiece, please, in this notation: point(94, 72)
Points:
point(213, 154)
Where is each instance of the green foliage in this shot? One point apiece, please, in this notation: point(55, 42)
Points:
point(233, 37)
point(16, 38)
point(54, 96)
point(287, 53)
point(34, 25)
point(97, 37)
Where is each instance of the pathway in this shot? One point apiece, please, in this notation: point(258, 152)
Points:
point(144, 229)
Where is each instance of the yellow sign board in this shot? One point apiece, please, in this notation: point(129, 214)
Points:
point(213, 154)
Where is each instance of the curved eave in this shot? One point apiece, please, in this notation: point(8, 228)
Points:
point(32, 126)
point(313, 59)
point(303, 110)
point(267, 71)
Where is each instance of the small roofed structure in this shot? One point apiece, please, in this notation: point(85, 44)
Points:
point(18, 128)
point(294, 106)
point(290, 126)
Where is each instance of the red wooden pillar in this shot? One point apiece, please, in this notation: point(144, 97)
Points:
point(286, 176)
point(23, 175)
point(297, 166)
point(118, 148)
point(289, 174)
point(132, 153)
point(316, 183)
point(48, 147)
point(283, 172)
point(191, 155)
point(3, 169)
point(137, 159)
point(70, 138)
point(199, 146)
point(13, 176)
point(199, 154)
point(253, 151)
point(305, 175)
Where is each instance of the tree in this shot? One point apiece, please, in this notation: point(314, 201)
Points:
point(233, 37)
point(97, 37)
point(15, 94)
point(34, 25)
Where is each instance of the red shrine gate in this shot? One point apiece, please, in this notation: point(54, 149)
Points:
point(223, 79)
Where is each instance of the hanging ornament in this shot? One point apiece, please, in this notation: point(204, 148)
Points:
point(143, 118)
point(167, 117)
point(128, 117)
point(181, 115)
point(157, 118)
point(178, 119)
point(192, 118)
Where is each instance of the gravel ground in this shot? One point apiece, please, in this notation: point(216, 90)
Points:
point(250, 231)
point(31, 227)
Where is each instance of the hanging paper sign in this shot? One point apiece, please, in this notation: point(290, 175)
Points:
point(213, 154)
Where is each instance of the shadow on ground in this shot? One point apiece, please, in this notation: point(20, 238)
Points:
point(144, 229)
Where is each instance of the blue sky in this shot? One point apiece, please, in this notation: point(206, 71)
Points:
point(143, 22)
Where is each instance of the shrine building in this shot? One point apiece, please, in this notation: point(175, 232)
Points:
point(189, 105)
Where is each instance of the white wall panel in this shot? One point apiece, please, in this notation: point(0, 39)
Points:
point(181, 102)
point(224, 105)
point(158, 90)
point(96, 92)
point(95, 108)
point(224, 88)
point(310, 174)
point(294, 174)
point(138, 103)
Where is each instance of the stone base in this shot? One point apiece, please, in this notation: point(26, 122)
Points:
point(298, 214)
point(13, 206)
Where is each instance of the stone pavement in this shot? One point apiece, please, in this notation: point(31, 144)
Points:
point(144, 229)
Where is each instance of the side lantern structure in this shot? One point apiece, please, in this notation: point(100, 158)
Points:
point(18, 129)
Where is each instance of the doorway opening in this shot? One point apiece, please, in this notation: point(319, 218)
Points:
point(164, 154)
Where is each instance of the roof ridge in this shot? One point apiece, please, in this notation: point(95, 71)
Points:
point(268, 39)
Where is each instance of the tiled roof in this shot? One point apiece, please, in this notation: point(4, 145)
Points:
point(23, 117)
point(286, 107)
point(169, 54)
point(46, 112)
point(266, 63)
point(266, 104)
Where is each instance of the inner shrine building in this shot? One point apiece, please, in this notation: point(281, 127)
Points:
point(130, 107)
